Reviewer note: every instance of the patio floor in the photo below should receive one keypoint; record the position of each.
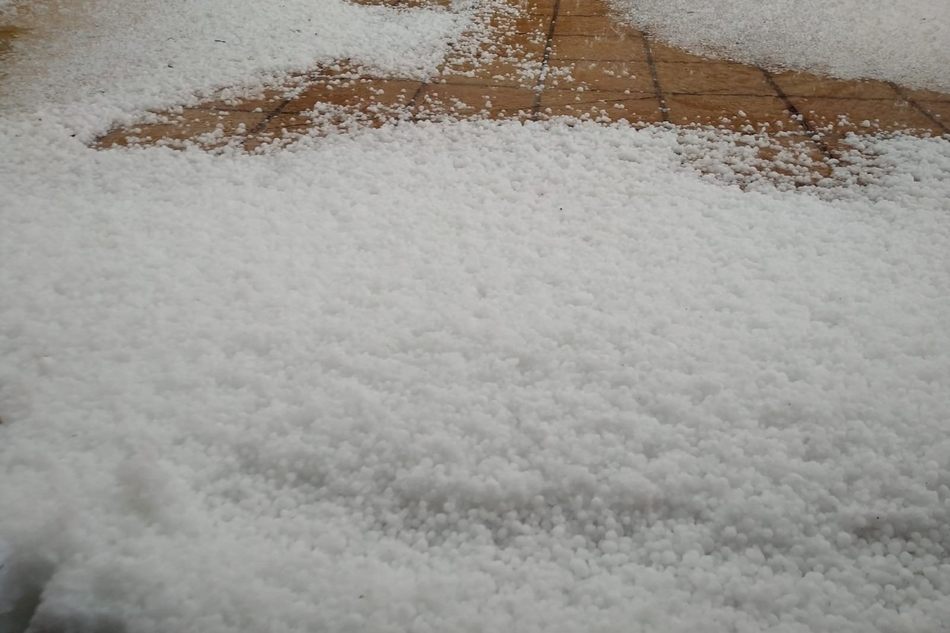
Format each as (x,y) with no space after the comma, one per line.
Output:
(556,58)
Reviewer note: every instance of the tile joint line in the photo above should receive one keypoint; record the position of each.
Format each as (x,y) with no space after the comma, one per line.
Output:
(545,61)
(260,127)
(651,61)
(913,102)
(796,115)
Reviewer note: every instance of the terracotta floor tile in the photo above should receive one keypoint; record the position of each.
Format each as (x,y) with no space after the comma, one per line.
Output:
(808,85)
(664,53)
(610,76)
(731,111)
(499,73)
(584,7)
(361,93)
(796,156)
(925,95)
(518,46)
(598,25)
(534,7)
(269,101)
(190,124)
(629,48)
(8,33)
(287,121)
(477,101)
(522,24)
(889,115)
(614,106)
(279,129)
(793,159)
(939,110)
(712,78)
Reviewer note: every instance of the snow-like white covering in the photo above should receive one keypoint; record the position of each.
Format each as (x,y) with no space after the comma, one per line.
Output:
(107,58)
(453,377)
(450,377)
(907,41)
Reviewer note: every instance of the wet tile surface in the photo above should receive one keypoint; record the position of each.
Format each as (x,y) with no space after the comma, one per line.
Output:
(710,78)
(863,115)
(731,111)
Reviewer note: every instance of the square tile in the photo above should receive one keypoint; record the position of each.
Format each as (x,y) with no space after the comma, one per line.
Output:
(609,76)
(613,106)
(534,7)
(474,101)
(733,112)
(663,53)
(862,116)
(355,94)
(939,110)
(516,47)
(793,159)
(712,78)
(798,84)
(584,7)
(630,48)
(522,24)
(210,128)
(925,95)
(495,73)
(267,102)
(594,26)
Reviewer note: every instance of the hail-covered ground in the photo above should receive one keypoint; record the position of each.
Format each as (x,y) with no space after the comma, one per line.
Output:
(459,376)
(906,41)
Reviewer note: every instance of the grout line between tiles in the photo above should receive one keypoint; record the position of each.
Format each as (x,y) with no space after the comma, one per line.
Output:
(545,62)
(415,95)
(913,102)
(664,107)
(796,115)
(260,127)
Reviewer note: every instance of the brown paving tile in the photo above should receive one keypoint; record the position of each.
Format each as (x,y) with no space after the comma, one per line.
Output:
(610,76)
(730,111)
(361,93)
(790,160)
(287,121)
(800,144)
(629,48)
(712,78)
(497,73)
(190,124)
(269,101)
(279,131)
(862,116)
(925,95)
(939,110)
(473,101)
(523,24)
(614,106)
(664,53)
(518,46)
(808,85)
(597,26)
(584,7)
(534,7)
(8,33)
